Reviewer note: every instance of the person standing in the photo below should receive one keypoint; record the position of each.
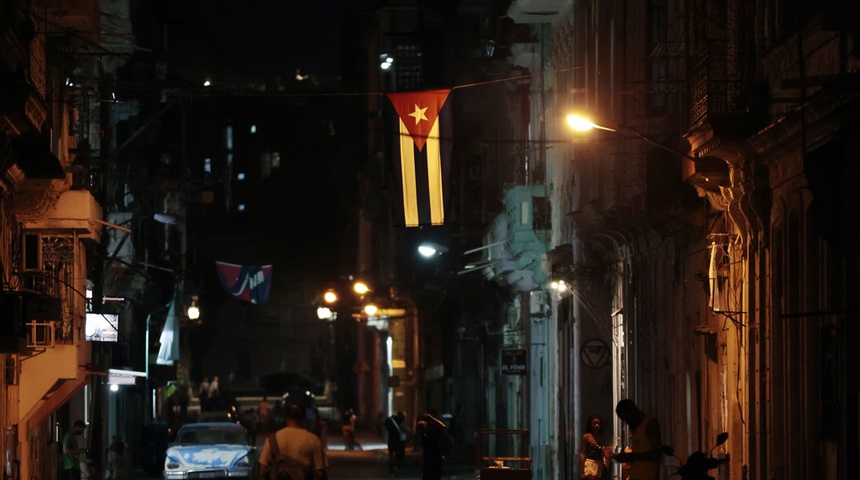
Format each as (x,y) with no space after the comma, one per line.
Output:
(203,394)
(436,445)
(117,460)
(396,442)
(214,388)
(300,453)
(348,429)
(263,414)
(591,454)
(646,451)
(71,451)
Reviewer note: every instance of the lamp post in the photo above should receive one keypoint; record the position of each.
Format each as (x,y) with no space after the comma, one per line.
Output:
(582,124)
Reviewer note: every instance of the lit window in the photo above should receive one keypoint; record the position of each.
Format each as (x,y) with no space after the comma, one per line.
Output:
(276,160)
(241,207)
(240,176)
(229,139)
(253,129)
(207,165)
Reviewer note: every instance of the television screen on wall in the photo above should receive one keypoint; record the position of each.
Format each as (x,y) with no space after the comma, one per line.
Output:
(102,327)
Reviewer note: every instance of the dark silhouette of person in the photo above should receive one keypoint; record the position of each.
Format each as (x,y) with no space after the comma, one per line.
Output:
(646,451)
(436,445)
(396,442)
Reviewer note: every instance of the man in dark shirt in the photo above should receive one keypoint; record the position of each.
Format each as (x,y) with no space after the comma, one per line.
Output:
(396,442)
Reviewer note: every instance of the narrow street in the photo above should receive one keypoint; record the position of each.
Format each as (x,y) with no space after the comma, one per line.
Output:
(369,461)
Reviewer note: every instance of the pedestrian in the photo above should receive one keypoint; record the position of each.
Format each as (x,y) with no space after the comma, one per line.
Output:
(213,388)
(396,442)
(117,460)
(251,421)
(203,391)
(72,452)
(646,455)
(348,429)
(263,414)
(592,461)
(436,445)
(292,452)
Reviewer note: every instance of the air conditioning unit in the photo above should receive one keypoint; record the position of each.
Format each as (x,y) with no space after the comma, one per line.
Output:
(537,302)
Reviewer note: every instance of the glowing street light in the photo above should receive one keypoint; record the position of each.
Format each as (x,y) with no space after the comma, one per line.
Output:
(580,123)
(193,310)
(360,288)
(330,296)
(325,313)
(429,250)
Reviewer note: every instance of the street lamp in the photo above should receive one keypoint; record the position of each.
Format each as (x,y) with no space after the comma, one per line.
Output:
(429,249)
(193,310)
(580,123)
(583,124)
(360,288)
(330,296)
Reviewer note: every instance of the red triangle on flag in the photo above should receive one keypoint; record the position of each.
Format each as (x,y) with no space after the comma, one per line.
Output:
(419,111)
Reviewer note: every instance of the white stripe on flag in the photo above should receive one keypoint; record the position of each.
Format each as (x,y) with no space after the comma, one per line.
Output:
(407,178)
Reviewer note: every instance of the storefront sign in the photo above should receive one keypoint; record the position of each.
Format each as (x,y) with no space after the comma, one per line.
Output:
(514,362)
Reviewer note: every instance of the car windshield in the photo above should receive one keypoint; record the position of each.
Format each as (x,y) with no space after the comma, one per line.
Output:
(211,436)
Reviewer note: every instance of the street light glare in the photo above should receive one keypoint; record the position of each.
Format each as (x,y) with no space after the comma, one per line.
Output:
(429,249)
(579,123)
(329,296)
(193,309)
(583,124)
(360,288)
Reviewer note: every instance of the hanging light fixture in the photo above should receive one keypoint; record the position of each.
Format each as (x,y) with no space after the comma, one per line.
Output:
(193,309)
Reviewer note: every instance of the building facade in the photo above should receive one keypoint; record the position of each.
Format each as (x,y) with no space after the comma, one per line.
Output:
(703,238)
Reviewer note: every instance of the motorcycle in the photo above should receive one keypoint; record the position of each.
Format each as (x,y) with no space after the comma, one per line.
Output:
(698,464)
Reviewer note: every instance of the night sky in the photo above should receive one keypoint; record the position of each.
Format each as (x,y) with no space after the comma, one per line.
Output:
(260,38)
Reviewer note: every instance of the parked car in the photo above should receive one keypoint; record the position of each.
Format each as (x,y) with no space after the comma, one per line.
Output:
(211,450)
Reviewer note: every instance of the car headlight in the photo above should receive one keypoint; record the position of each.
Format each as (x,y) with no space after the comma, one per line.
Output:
(243,462)
(172,462)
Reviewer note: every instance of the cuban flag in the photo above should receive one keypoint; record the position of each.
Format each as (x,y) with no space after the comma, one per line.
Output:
(250,283)
(424,154)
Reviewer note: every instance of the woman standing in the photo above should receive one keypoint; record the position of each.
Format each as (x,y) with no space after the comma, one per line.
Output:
(591,458)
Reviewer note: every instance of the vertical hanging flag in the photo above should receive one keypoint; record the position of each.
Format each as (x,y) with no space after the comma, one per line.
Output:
(424,151)
(250,283)
(169,350)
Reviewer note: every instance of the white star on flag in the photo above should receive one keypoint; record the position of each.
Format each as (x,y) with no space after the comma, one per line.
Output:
(418,114)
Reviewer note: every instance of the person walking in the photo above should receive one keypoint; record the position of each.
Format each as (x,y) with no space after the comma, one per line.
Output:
(592,461)
(396,442)
(436,445)
(71,451)
(292,452)
(646,454)
(263,414)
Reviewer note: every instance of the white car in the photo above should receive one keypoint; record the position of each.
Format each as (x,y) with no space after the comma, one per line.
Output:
(210,450)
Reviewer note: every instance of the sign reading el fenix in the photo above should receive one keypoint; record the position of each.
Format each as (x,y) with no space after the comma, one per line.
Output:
(514,361)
